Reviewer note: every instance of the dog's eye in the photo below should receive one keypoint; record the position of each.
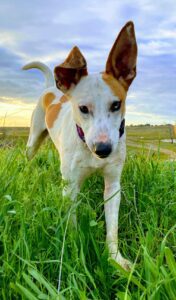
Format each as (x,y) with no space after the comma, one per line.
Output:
(115,106)
(84,109)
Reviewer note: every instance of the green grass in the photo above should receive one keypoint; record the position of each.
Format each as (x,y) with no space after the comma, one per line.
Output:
(142,151)
(34,219)
(149,132)
(165,145)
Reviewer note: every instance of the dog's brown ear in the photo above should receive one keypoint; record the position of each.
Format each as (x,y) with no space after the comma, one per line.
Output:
(122,58)
(71,70)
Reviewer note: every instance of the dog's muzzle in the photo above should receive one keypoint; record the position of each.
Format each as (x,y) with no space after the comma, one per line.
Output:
(102,149)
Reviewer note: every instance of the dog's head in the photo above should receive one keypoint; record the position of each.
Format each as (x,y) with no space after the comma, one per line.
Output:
(98,100)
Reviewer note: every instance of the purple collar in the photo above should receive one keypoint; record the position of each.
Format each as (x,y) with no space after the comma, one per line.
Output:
(81,132)
(122,128)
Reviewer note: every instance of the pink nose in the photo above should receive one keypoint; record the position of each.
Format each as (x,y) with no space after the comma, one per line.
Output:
(103,138)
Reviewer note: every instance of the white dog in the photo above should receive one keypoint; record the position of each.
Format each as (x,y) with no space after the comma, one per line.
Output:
(84,116)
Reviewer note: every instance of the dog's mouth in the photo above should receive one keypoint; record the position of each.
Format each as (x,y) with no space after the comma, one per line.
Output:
(101,156)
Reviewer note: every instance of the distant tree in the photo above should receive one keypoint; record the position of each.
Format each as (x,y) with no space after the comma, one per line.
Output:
(172,132)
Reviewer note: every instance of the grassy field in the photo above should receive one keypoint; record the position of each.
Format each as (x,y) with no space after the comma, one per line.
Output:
(140,135)
(152,135)
(149,132)
(35,230)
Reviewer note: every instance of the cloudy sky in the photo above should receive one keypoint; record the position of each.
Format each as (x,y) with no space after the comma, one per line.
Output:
(47,30)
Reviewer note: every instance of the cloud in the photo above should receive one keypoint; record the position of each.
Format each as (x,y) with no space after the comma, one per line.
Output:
(46,31)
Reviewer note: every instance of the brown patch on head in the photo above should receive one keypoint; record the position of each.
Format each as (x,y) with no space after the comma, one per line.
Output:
(116,88)
(53,111)
(71,70)
(48,99)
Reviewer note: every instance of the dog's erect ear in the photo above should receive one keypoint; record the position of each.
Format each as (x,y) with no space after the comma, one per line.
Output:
(122,58)
(71,70)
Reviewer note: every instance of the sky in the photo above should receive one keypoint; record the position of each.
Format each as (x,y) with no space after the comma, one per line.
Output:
(47,30)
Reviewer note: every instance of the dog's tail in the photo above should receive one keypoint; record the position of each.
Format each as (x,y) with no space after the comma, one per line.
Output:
(49,78)
(38,130)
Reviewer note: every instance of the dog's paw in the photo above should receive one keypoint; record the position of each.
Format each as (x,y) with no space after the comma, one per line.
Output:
(30,152)
(123,262)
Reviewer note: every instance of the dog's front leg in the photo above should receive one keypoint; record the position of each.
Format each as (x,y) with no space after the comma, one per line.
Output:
(71,189)
(112,202)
